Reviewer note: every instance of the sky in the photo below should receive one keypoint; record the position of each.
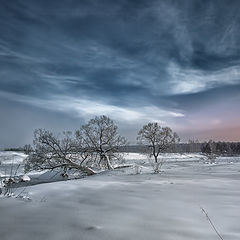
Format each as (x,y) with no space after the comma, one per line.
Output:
(170,61)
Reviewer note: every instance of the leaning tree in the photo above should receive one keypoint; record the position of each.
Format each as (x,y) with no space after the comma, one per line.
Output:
(52,151)
(158,138)
(101,137)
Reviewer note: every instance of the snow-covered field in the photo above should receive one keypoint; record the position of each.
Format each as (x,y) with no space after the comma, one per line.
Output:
(122,205)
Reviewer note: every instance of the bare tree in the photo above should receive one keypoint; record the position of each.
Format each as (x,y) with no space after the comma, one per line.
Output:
(58,151)
(101,137)
(158,138)
(95,144)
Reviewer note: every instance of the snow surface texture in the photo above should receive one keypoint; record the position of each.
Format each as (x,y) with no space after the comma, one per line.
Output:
(120,205)
(11,163)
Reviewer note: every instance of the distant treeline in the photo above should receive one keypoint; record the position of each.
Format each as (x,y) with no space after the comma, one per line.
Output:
(192,147)
(19,149)
(221,147)
(176,148)
(206,147)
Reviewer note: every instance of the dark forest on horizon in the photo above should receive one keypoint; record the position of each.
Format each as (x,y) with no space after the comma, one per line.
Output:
(218,147)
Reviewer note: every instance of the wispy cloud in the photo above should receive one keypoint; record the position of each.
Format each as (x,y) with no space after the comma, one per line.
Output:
(85,109)
(188,81)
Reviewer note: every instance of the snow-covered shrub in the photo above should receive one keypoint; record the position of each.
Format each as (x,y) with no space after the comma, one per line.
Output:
(138,169)
(156,165)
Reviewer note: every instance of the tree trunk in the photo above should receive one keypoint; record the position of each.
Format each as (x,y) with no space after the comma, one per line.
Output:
(156,159)
(87,170)
(109,165)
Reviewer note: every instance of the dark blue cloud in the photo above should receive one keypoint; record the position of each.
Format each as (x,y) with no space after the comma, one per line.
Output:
(172,56)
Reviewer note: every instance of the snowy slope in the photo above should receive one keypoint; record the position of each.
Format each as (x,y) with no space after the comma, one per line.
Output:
(128,206)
